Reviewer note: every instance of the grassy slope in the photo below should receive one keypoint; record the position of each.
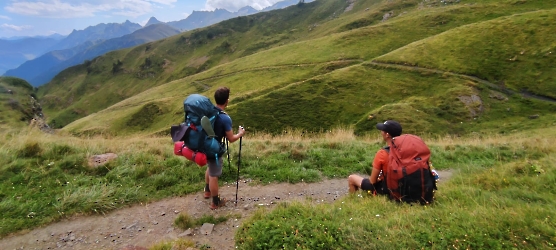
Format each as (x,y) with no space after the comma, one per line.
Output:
(174,58)
(189,53)
(318,89)
(15,107)
(501,192)
(501,196)
(515,53)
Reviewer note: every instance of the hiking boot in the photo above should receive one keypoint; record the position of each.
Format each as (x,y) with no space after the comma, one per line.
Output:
(220,204)
(207,194)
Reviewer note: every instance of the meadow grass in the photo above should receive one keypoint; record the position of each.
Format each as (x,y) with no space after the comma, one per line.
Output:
(184,221)
(501,193)
(507,51)
(501,196)
(179,244)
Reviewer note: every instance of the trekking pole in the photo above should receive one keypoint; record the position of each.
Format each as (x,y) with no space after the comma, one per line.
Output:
(238,164)
(228,150)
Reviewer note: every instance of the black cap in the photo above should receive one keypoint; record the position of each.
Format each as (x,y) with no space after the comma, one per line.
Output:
(391,127)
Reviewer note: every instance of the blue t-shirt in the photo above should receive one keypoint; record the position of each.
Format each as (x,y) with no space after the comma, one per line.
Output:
(221,125)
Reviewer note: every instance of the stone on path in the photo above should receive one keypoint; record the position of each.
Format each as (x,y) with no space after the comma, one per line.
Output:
(206,229)
(187,232)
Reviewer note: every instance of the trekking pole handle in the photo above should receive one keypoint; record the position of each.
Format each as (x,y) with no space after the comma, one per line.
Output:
(241,128)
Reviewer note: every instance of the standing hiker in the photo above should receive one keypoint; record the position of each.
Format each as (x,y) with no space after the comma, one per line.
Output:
(375,182)
(222,129)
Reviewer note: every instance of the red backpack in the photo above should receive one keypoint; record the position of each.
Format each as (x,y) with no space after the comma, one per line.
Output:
(409,177)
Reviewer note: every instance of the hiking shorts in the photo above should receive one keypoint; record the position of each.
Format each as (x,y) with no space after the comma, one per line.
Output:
(378,187)
(366,185)
(215,170)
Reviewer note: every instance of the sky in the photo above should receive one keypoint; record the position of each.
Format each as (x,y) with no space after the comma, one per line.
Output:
(46,17)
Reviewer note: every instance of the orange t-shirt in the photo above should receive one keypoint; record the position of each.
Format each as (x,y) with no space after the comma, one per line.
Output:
(381,160)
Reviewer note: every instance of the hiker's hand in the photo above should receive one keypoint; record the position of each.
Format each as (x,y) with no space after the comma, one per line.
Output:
(241,131)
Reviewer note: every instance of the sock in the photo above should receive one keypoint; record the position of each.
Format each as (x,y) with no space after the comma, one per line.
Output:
(216,200)
(207,188)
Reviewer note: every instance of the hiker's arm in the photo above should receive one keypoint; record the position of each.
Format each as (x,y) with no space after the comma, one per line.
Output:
(231,137)
(379,163)
(374,176)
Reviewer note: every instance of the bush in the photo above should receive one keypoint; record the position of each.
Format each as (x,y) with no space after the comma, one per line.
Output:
(30,149)
(184,221)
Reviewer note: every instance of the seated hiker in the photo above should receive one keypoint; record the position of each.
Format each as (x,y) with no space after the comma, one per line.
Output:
(375,183)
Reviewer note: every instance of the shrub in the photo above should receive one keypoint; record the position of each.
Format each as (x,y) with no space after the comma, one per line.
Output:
(30,149)
(184,221)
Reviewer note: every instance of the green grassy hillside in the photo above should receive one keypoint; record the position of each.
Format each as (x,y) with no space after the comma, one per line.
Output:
(122,74)
(321,31)
(329,81)
(512,52)
(17,103)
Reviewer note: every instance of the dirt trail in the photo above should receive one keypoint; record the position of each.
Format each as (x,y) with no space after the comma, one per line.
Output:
(148,224)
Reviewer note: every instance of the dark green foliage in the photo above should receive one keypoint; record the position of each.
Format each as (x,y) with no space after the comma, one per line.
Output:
(30,149)
(16,82)
(93,68)
(74,164)
(184,221)
(264,44)
(363,22)
(151,67)
(59,150)
(224,48)
(65,117)
(287,226)
(163,181)
(117,67)
(145,116)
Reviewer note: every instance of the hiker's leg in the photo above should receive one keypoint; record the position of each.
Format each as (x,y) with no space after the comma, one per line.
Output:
(354,182)
(214,171)
(207,176)
(213,185)
(206,190)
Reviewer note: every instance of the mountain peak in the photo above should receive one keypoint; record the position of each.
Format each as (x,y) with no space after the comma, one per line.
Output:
(247,10)
(151,21)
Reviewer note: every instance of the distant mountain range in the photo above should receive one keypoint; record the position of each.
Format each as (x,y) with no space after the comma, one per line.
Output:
(199,19)
(75,43)
(15,52)
(39,59)
(141,36)
(98,32)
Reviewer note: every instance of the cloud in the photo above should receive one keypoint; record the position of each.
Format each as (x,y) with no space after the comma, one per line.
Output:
(238,4)
(5,17)
(84,8)
(15,27)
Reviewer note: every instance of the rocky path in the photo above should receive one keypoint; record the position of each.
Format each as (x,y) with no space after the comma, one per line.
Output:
(145,225)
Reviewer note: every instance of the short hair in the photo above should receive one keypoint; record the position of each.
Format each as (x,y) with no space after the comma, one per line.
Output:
(221,95)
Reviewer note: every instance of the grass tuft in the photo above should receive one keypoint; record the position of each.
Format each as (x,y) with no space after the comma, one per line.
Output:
(185,221)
